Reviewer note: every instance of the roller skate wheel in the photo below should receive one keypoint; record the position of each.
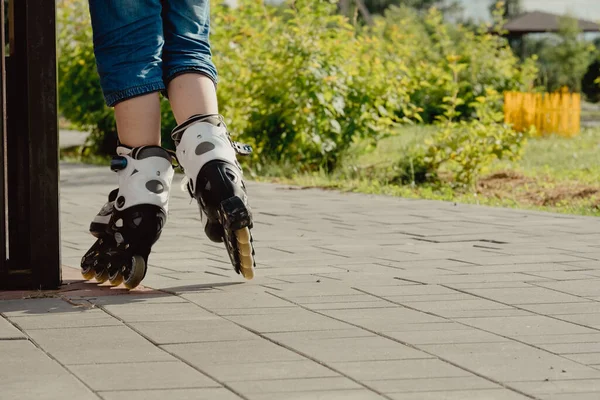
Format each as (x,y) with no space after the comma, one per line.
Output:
(88,273)
(87,270)
(137,272)
(115,279)
(245,253)
(243,236)
(101,276)
(247,273)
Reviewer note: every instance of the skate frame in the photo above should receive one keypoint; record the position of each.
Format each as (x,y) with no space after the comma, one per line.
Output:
(29,225)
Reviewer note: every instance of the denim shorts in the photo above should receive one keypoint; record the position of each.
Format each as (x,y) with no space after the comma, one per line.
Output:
(140,45)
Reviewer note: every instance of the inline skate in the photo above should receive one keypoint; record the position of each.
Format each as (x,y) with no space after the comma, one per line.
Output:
(132,219)
(207,155)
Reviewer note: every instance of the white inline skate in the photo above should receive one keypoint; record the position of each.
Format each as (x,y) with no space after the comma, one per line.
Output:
(132,220)
(207,155)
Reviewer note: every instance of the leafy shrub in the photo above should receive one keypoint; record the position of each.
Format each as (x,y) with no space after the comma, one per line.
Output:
(591,80)
(429,46)
(301,84)
(80,94)
(565,57)
(81,100)
(463,148)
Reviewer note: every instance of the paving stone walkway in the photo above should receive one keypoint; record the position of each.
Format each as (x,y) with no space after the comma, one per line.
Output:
(356,297)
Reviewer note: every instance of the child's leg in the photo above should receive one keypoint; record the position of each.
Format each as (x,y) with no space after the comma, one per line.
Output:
(128,41)
(204,147)
(192,94)
(138,120)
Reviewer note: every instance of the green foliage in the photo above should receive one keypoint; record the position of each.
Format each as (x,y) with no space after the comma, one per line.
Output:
(301,84)
(590,85)
(463,148)
(81,100)
(379,6)
(566,58)
(429,47)
(508,8)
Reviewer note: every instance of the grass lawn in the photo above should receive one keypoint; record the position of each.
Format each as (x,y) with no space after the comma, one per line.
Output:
(555,174)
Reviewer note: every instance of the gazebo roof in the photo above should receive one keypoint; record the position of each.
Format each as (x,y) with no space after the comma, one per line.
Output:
(542,22)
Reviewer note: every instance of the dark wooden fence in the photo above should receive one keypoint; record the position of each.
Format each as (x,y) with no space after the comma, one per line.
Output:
(29,225)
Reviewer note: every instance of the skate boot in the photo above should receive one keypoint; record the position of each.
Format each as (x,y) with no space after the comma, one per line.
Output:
(208,157)
(132,220)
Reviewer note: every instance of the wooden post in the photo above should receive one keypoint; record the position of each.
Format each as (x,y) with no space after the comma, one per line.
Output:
(32,149)
(3,226)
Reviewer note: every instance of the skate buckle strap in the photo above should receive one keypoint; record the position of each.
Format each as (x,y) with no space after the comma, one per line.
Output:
(241,148)
(174,159)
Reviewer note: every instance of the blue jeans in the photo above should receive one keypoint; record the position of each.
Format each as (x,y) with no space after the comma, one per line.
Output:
(140,45)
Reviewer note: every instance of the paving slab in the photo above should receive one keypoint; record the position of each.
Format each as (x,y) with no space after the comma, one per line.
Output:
(511,361)
(239,352)
(172,332)
(570,396)
(159,312)
(172,394)
(100,344)
(289,321)
(466,335)
(400,369)
(525,325)
(439,385)
(549,339)
(80,319)
(355,297)
(351,349)
(355,394)
(574,387)
(28,373)
(272,370)
(294,385)
(8,330)
(487,394)
(142,376)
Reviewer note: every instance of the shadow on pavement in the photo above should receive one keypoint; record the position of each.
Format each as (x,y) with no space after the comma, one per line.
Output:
(76,295)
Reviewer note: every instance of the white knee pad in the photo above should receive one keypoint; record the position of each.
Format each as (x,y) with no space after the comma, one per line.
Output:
(145,175)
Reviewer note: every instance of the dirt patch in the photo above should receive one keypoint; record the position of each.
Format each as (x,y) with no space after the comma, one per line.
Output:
(538,192)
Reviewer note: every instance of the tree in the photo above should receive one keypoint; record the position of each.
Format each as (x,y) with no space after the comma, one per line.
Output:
(379,6)
(567,60)
(590,86)
(510,8)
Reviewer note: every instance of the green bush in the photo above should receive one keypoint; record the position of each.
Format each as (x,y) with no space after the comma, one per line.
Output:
(80,95)
(589,85)
(565,58)
(462,148)
(301,84)
(429,46)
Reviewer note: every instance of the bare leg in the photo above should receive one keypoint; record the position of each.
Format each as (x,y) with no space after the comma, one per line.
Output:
(192,94)
(138,120)
(209,161)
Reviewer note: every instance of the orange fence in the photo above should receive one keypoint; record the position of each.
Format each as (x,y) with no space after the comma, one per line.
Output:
(558,113)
